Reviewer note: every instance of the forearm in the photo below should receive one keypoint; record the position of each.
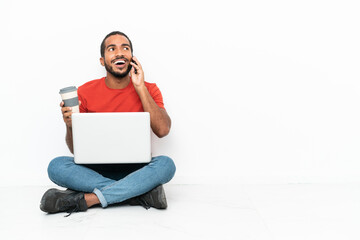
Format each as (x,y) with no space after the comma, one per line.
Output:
(69,139)
(159,119)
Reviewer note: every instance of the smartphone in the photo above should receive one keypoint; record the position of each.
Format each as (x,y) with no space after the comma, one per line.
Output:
(135,63)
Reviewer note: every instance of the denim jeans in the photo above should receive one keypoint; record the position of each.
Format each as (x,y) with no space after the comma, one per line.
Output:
(112,183)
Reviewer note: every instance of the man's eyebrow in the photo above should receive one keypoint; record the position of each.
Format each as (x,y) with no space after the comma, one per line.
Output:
(111,45)
(114,45)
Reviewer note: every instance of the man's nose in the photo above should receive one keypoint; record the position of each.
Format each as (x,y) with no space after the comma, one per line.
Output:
(119,51)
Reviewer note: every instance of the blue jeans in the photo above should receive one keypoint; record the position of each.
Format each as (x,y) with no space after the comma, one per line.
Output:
(112,183)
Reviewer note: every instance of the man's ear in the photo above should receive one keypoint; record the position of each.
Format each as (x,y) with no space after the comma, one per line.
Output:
(102,61)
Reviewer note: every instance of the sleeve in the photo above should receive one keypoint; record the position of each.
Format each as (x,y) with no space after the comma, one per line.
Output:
(156,95)
(83,105)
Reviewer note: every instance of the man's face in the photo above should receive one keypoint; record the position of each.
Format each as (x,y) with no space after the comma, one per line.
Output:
(117,56)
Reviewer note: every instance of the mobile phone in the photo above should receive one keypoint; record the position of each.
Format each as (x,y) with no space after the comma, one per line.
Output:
(135,63)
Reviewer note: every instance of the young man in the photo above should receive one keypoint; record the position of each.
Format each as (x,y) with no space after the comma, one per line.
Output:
(122,90)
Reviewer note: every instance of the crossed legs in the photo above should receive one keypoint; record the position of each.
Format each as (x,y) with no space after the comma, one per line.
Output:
(109,184)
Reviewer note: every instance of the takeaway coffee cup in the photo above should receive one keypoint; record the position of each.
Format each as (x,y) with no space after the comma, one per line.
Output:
(70,98)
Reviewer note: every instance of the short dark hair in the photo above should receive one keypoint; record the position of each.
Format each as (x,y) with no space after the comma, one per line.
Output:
(102,47)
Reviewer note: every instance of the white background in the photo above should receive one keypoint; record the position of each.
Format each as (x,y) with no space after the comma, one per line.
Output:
(258,91)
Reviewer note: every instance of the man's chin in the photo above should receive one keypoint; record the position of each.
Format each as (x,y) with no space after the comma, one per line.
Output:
(119,74)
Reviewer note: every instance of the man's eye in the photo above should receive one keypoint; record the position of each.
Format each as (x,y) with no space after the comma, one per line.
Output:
(111,49)
(126,48)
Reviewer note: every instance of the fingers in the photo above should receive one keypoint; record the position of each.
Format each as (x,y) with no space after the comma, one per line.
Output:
(66,112)
(132,71)
(134,67)
(136,61)
(137,64)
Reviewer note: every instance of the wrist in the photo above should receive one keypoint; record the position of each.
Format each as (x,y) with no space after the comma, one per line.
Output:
(140,88)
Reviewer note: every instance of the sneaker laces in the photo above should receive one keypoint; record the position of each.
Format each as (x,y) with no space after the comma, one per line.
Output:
(70,208)
(74,209)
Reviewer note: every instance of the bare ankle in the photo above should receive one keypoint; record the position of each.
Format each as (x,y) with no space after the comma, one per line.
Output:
(91,199)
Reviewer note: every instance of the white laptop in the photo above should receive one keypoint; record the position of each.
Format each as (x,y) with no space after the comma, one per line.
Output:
(100,138)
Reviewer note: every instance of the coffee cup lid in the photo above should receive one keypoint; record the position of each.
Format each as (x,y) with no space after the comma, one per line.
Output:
(67,89)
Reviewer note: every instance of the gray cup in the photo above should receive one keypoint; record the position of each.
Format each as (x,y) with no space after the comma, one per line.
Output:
(70,98)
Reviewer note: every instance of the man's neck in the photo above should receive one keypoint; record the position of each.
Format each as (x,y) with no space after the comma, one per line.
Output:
(116,83)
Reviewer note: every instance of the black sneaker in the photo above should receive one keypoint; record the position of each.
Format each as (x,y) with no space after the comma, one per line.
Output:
(69,201)
(155,198)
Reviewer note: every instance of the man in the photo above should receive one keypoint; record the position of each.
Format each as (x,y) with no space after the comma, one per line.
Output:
(122,90)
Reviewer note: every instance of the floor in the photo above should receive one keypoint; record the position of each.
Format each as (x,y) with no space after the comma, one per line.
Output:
(279,212)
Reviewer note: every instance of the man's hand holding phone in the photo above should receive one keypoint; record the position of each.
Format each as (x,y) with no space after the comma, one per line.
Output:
(136,73)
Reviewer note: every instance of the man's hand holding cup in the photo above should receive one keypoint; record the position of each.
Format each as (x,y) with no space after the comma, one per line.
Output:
(69,104)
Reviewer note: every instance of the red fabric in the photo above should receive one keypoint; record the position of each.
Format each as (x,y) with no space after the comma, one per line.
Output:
(95,96)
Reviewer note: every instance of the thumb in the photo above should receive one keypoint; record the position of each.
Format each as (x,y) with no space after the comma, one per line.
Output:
(132,72)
